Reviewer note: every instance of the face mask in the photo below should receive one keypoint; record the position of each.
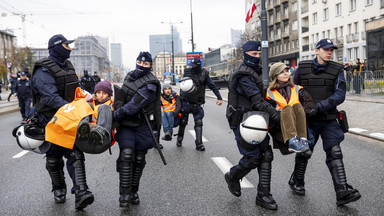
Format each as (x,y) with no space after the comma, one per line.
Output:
(142,69)
(60,53)
(251,61)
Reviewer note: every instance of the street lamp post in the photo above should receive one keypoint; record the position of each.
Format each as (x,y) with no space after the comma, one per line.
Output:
(173,51)
(165,69)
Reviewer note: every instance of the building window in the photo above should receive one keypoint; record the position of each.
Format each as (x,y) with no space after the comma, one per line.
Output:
(294,25)
(369,2)
(328,33)
(278,15)
(349,29)
(314,1)
(286,27)
(314,17)
(341,31)
(323,34)
(271,17)
(317,37)
(356,27)
(286,10)
(382,3)
(356,52)
(338,9)
(326,14)
(352,5)
(294,6)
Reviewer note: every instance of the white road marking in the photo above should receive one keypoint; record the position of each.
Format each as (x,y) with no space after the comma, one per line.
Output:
(192,132)
(357,130)
(225,165)
(21,154)
(377,135)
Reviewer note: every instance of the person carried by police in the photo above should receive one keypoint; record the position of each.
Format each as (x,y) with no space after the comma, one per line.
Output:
(325,82)
(138,114)
(54,82)
(288,99)
(249,116)
(192,95)
(87,82)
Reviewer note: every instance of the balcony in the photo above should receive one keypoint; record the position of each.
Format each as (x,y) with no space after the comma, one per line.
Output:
(340,42)
(349,38)
(284,16)
(306,48)
(285,34)
(363,35)
(313,46)
(355,37)
(277,36)
(304,8)
(304,29)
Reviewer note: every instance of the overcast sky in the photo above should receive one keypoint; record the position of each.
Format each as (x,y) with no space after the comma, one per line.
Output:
(125,21)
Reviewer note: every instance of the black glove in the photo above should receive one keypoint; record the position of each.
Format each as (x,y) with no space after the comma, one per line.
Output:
(118,114)
(312,110)
(274,115)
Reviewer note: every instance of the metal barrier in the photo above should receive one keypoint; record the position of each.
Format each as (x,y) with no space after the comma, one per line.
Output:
(366,82)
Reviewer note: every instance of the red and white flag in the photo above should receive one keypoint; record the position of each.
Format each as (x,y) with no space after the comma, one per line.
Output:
(250,9)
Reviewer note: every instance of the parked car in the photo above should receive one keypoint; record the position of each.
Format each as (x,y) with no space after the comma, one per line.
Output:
(220,81)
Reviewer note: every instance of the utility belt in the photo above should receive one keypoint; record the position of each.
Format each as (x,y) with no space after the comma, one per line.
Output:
(235,115)
(340,116)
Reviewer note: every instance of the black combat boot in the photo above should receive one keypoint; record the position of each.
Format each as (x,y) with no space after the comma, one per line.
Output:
(55,170)
(199,138)
(180,135)
(125,165)
(83,129)
(83,197)
(296,182)
(99,135)
(263,197)
(345,193)
(138,167)
(233,179)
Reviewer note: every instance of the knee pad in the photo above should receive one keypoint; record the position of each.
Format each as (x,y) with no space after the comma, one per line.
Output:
(184,119)
(252,162)
(334,153)
(140,157)
(199,122)
(268,155)
(126,155)
(77,155)
(54,163)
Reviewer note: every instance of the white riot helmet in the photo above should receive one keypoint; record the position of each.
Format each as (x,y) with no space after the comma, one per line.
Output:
(253,129)
(187,85)
(31,138)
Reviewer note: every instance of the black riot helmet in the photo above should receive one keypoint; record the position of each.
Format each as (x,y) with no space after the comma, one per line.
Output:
(85,72)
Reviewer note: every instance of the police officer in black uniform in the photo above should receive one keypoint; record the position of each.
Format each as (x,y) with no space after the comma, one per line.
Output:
(138,98)
(54,82)
(23,93)
(96,78)
(26,71)
(87,82)
(246,93)
(12,81)
(191,102)
(324,80)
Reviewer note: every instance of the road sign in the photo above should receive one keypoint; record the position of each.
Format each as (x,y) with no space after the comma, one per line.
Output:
(192,55)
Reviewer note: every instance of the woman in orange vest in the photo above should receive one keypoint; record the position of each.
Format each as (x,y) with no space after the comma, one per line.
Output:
(98,129)
(170,102)
(289,100)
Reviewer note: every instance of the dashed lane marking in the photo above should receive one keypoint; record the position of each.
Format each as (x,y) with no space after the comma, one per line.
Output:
(225,165)
(377,135)
(357,130)
(21,154)
(192,132)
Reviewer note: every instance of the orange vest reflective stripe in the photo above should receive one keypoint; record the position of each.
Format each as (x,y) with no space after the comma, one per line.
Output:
(96,107)
(280,100)
(168,106)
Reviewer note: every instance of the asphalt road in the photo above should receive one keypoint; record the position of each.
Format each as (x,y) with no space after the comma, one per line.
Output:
(192,183)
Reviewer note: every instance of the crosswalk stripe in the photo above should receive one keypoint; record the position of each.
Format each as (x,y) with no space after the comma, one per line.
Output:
(224,165)
(21,154)
(192,132)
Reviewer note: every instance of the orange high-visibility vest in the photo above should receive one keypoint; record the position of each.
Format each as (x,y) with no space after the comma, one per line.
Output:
(168,106)
(96,114)
(62,128)
(96,108)
(280,100)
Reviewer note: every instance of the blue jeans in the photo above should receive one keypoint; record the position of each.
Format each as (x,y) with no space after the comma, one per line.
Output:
(168,119)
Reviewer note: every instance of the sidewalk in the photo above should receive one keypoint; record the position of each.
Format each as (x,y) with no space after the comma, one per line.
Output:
(365,113)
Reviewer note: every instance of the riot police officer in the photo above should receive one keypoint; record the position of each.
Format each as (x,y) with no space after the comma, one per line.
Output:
(23,93)
(87,82)
(246,93)
(191,102)
(96,78)
(138,100)
(54,82)
(325,82)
